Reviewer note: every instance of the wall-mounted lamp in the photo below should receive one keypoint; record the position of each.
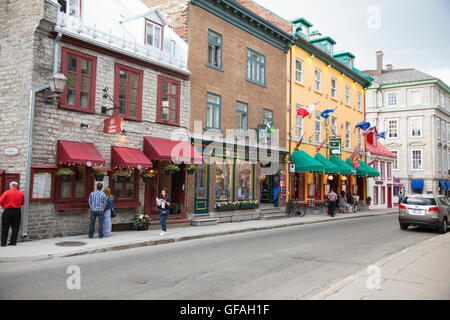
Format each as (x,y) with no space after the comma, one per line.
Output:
(57,83)
(123,133)
(85,125)
(107,96)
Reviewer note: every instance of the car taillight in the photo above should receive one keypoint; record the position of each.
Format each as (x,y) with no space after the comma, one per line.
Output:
(433,209)
(402,207)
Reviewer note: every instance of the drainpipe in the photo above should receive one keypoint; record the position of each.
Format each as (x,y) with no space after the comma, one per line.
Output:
(290,120)
(33,93)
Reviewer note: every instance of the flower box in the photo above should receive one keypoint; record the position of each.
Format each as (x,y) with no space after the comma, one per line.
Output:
(66,178)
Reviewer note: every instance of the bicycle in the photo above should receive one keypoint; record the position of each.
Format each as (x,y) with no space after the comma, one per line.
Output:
(293,209)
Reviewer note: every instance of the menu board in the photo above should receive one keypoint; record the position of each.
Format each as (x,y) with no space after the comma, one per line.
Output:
(42,185)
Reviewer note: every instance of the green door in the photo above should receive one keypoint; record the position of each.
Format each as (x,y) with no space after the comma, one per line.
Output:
(201,200)
(267,190)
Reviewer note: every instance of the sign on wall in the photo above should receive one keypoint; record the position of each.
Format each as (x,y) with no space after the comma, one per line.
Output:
(11,151)
(113,125)
(335,146)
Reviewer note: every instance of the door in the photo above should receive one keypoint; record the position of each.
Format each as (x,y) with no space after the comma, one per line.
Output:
(267,190)
(389,196)
(201,192)
(10,177)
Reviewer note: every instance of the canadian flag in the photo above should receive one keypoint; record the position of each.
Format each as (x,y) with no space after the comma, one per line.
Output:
(306,111)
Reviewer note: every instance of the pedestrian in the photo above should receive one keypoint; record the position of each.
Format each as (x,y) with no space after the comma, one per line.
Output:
(350,200)
(97,202)
(164,209)
(332,200)
(342,201)
(356,202)
(276,188)
(12,202)
(401,197)
(107,224)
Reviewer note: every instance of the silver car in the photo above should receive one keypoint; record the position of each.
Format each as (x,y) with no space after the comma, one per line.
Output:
(429,211)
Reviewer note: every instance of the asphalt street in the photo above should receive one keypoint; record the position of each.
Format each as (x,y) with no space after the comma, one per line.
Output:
(285,263)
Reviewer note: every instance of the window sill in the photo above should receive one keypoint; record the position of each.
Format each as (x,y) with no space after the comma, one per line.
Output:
(73,108)
(347,105)
(168,123)
(214,67)
(125,117)
(213,130)
(318,92)
(334,99)
(257,83)
(299,83)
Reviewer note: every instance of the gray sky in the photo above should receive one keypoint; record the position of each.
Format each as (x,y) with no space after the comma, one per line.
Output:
(411,33)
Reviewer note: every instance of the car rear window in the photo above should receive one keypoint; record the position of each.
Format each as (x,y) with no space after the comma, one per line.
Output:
(419,201)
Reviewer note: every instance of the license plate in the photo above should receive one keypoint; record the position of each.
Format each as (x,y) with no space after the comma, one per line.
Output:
(417,212)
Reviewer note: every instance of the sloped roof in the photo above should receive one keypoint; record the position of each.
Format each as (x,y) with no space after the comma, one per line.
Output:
(399,76)
(380,150)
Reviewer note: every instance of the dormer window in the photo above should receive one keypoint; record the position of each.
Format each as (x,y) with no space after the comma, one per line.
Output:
(153,34)
(71,7)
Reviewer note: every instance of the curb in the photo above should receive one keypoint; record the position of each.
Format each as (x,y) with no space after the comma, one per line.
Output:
(144,243)
(341,284)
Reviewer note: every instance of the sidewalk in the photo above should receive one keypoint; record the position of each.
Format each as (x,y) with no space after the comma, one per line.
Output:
(417,273)
(47,248)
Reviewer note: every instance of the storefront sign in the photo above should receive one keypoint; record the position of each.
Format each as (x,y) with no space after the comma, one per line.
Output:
(283,180)
(335,147)
(379,182)
(292,167)
(113,125)
(11,151)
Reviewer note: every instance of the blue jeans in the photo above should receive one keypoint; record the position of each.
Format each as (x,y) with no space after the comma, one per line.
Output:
(162,218)
(94,215)
(107,223)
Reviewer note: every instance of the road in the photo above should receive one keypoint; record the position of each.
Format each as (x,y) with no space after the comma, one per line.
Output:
(286,263)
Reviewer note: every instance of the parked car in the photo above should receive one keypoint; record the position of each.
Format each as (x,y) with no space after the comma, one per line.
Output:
(428,211)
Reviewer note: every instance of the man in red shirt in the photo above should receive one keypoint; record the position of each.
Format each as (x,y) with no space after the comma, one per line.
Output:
(11,201)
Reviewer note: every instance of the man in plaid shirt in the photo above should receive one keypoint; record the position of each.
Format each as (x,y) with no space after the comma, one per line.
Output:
(97,202)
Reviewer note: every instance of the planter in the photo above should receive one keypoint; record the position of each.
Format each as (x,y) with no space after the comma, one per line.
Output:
(171,171)
(146,179)
(225,208)
(122,179)
(99,178)
(66,177)
(141,228)
(190,171)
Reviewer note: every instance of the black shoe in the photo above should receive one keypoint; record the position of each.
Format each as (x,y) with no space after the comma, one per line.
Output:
(3,245)
(12,244)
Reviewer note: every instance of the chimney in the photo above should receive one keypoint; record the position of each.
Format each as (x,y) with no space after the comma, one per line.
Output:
(314,34)
(389,67)
(379,63)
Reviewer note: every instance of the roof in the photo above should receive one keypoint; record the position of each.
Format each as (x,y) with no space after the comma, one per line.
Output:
(325,38)
(302,21)
(399,76)
(380,150)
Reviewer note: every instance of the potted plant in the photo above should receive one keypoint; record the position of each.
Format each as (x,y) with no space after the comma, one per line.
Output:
(141,222)
(148,175)
(172,168)
(66,174)
(175,208)
(369,201)
(100,173)
(122,175)
(190,168)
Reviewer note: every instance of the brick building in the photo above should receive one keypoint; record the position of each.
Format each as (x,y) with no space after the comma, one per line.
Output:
(237,56)
(126,53)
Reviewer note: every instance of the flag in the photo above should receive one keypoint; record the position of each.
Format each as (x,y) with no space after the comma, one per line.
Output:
(321,145)
(297,147)
(363,125)
(374,160)
(355,162)
(306,111)
(325,114)
(368,131)
(381,135)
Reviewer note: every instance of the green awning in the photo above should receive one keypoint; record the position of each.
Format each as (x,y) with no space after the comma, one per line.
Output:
(371,171)
(329,166)
(361,170)
(344,168)
(305,163)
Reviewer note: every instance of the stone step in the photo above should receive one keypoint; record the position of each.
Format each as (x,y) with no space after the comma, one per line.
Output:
(270,210)
(272,216)
(204,222)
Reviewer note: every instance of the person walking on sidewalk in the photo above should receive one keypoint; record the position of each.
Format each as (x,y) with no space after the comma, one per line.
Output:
(97,202)
(107,224)
(342,201)
(12,202)
(332,200)
(164,209)
(350,203)
(356,198)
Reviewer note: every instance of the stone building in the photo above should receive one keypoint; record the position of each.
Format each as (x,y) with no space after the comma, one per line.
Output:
(127,72)
(237,56)
(414,109)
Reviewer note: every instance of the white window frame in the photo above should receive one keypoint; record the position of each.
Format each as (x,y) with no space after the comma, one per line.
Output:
(448,131)
(298,119)
(318,118)
(333,88)
(347,95)
(443,130)
(444,161)
(318,82)
(348,135)
(298,72)
(421,160)
(389,129)
(360,139)
(78,5)
(411,132)
(395,161)
(438,128)
(334,125)
(411,101)
(359,101)
(150,25)
(389,172)
(448,160)
(395,93)
(439,159)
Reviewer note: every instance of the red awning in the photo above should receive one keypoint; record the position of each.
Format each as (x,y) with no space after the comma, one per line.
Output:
(397,184)
(80,153)
(380,150)
(169,150)
(129,157)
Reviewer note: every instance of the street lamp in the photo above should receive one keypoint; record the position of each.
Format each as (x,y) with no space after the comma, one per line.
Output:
(57,82)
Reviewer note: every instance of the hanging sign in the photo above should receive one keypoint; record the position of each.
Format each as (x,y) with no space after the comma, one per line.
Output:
(292,167)
(11,151)
(335,146)
(113,125)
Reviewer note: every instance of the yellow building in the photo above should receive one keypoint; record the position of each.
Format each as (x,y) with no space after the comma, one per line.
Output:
(319,75)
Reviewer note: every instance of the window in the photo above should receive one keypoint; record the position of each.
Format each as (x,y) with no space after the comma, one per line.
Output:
(375,166)
(415,97)
(438,127)
(318,80)
(74,189)
(299,71)
(298,123)
(80,70)
(347,135)
(416,127)
(395,162)
(245,176)
(375,195)
(416,156)
(71,7)
(256,67)
(128,92)
(224,183)
(333,88)
(267,117)
(42,184)
(153,34)
(242,117)
(393,128)
(445,161)
(389,170)
(213,109)
(318,128)
(382,170)
(444,130)
(448,131)
(392,99)
(359,100)
(439,160)
(347,95)
(214,49)
(359,139)
(334,126)
(168,101)
(126,190)
(299,187)
(383,195)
